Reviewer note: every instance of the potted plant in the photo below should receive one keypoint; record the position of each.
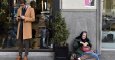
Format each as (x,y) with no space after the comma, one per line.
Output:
(60,36)
(60,30)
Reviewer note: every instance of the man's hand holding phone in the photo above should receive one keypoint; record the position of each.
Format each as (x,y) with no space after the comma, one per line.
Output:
(21,17)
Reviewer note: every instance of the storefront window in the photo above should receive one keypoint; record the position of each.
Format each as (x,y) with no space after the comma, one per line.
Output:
(40,28)
(108,24)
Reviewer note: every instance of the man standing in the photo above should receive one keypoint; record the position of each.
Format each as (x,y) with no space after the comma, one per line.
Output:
(25,17)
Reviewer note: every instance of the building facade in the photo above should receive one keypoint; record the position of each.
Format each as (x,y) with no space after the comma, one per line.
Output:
(80,16)
(94,16)
(97,19)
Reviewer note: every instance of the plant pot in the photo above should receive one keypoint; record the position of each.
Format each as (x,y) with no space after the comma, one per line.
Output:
(61,53)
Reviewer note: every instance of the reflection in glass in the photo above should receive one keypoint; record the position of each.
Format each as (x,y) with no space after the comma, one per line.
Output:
(108,24)
(8,24)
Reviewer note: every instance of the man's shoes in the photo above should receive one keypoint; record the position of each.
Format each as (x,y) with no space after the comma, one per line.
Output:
(25,58)
(18,58)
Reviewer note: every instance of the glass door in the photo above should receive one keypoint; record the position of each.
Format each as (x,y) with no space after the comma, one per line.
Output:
(108,24)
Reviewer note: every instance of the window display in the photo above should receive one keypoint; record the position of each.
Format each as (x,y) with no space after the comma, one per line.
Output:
(108,24)
(40,28)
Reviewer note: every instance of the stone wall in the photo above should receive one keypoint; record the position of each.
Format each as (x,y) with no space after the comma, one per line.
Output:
(81,20)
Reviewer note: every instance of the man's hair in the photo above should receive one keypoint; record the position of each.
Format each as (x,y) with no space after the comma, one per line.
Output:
(22,1)
(32,4)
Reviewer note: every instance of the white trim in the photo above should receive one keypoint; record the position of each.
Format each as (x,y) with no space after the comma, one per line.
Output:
(107,49)
(74,10)
(60,4)
(101,7)
(98,26)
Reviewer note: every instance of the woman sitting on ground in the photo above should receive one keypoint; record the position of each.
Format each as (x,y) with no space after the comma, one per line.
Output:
(82,47)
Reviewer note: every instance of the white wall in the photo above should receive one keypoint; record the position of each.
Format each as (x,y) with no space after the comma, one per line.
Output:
(76,4)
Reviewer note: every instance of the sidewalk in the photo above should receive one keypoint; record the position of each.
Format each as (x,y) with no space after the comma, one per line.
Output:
(32,56)
(107,55)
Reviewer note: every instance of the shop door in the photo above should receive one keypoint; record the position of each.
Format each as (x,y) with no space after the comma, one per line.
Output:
(108,24)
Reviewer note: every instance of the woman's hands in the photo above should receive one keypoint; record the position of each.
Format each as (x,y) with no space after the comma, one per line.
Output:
(84,43)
